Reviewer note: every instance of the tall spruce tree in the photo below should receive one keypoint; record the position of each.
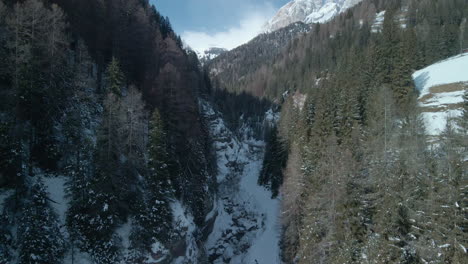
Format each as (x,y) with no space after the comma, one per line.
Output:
(154,216)
(274,162)
(39,235)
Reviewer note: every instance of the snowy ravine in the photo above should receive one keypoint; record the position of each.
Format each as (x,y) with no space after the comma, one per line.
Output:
(246,227)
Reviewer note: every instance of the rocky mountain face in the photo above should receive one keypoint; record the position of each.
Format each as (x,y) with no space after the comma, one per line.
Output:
(210,54)
(308,11)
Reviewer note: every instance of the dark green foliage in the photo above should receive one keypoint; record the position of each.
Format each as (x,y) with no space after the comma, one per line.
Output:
(236,68)
(163,22)
(3,47)
(154,215)
(7,241)
(40,238)
(92,223)
(464,118)
(403,224)
(159,160)
(8,154)
(244,105)
(274,162)
(114,78)
(66,107)
(363,151)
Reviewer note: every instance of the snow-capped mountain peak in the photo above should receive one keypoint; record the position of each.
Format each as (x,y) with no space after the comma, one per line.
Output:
(308,11)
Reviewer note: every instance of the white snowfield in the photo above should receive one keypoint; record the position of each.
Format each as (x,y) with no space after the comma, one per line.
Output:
(324,14)
(441,87)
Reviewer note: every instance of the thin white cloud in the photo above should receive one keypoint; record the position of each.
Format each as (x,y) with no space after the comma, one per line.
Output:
(249,26)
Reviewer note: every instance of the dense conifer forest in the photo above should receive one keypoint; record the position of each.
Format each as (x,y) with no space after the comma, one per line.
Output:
(102,98)
(102,93)
(362,182)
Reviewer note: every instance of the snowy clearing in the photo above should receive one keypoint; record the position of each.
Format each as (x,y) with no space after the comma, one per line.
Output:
(441,87)
(451,70)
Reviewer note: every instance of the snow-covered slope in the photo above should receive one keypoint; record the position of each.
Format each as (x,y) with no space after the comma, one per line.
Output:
(245,228)
(308,11)
(209,54)
(324,14)
(441,87)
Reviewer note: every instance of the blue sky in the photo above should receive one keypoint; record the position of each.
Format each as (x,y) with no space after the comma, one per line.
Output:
(222,23)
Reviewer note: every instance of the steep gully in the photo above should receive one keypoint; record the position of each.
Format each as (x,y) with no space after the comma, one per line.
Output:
(246,219)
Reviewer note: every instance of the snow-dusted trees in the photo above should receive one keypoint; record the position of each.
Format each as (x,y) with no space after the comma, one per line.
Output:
(153,215)
(114,78)
(109,193)
(3,41)
(292,202)
(133,127)
(38,76)
(39,235)
(398,199)
(158,157)
(66,107)
(463,122)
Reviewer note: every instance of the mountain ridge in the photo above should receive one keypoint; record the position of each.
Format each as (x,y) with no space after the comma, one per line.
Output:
(307,11)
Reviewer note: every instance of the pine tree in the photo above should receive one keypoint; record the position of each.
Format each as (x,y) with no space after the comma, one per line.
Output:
(109,148)
(402,82)
(4,69)
(39,235)
(153,215)
(159,159)
(97,190)
(274,162)
(114,77)
(464,118)
(159,178)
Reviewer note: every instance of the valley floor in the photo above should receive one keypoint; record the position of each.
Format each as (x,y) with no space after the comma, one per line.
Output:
(246,229)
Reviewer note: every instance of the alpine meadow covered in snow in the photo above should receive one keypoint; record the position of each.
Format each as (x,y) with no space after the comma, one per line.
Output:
(339,134)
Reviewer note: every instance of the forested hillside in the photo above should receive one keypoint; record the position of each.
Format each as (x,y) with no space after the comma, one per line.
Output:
(232,69)
(98,109)
(361,183)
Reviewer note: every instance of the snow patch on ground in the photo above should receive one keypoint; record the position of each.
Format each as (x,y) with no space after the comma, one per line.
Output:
(159,253)
(440,106)
(124,233)
(183,221)
(4,194)
(378,22)
(271,116)
(56,189)
(441,99)
(435,123)
(299,100)
(78,258)
(451,70)
(265,247)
